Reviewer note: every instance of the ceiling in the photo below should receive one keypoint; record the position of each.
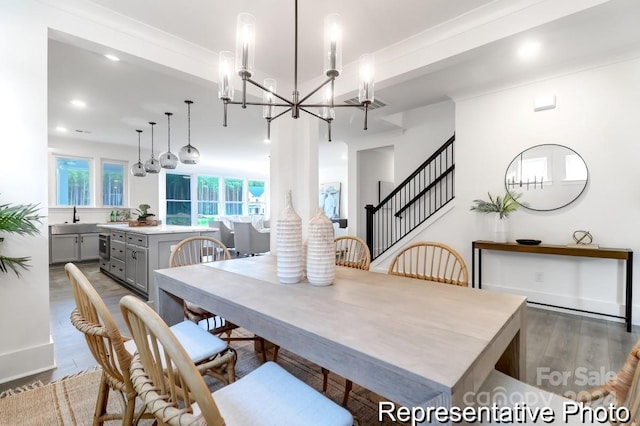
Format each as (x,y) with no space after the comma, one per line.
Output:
(126,95)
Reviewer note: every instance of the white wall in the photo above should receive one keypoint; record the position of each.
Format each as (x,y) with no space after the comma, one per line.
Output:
(597,116)
(25,343)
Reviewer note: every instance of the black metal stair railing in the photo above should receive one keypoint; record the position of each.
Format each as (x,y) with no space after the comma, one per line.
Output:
(415,200)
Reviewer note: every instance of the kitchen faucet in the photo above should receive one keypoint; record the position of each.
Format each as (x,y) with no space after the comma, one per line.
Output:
(75,215)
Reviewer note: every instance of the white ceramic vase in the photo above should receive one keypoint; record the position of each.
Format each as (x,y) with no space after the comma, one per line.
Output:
(321,252)
(500,229)
(289,244)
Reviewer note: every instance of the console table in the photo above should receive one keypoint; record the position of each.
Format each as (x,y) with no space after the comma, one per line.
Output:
(602,253)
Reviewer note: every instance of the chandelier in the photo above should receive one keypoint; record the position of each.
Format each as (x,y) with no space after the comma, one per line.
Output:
(244,67)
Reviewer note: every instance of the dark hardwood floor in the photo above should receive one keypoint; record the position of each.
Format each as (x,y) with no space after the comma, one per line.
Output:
(564,352)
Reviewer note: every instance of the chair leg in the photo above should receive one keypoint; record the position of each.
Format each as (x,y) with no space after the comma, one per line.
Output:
(325,379)
(127,417)
(263,349)
(347,389)
(276,348)
(101,402)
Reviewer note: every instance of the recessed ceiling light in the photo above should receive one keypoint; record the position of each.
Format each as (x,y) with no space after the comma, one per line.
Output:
(78,103)
(343,156)
(529,49)
(111,57)
(61,129)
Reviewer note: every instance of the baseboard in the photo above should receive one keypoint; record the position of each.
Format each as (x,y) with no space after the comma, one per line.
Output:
(564,303)
(27,362)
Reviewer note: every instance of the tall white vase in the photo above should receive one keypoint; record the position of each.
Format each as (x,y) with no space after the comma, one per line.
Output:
(289,244)
(321,252)
(500,229)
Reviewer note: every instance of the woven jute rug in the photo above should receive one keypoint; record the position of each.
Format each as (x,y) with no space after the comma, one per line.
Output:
(71,401)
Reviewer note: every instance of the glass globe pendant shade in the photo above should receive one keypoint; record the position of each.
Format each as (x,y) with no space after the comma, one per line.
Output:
(152,165)
(189,154)
(168,160)
(137,169)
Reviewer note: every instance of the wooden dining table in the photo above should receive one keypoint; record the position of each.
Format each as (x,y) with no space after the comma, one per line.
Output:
(415,342)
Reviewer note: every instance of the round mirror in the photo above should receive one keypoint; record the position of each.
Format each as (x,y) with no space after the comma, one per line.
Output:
(548,176)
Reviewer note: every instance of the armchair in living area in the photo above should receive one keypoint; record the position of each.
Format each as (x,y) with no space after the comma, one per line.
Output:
(226,233)
(249,240)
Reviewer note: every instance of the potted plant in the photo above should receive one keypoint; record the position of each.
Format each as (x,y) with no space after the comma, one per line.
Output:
(503,207)
(21,219)
(143,213)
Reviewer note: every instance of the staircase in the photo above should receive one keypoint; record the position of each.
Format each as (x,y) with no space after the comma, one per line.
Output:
(415,200)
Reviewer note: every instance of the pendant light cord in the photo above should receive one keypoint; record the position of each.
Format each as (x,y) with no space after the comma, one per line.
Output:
(169,131)
(152,124)
(189,123)
(139,156)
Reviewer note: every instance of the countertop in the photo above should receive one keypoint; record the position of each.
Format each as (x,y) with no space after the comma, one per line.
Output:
(161,229)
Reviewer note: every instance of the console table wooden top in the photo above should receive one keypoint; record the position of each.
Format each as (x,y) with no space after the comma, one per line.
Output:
(602,252)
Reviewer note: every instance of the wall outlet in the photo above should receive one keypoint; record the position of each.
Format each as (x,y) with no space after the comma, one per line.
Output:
(539,277)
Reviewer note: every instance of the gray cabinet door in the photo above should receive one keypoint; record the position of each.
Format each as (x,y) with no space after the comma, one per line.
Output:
(89,246)
(136,267)
(64,248)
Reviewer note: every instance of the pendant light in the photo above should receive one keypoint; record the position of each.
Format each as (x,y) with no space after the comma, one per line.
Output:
(168,160)
(152,165)
(189,154)
(138,168)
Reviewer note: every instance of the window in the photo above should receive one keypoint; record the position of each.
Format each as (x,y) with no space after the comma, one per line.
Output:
(233,195)
(73,181)
(178,199)
(208,199)
(113,183)
(256,197)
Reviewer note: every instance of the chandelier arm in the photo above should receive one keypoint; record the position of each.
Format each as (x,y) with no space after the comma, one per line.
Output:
(329,106)
(224,115)
(260,104)
(329,130)
(282,113)
(328,80)
(315,115)
(255,83)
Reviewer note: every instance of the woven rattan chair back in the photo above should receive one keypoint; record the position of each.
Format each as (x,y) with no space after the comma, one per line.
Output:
(431,261)
(168,393)
(622,388)
(92,317)
(198,250)
(352,252)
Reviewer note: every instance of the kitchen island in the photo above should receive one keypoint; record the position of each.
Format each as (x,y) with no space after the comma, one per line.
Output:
(134,252)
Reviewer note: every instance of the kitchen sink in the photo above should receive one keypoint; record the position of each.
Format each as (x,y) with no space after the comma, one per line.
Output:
(73,228)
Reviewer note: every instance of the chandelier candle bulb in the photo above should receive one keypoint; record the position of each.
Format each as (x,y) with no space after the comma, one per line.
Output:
(268,98)
(333,45)
(225,59)
(245,41)
(365,93)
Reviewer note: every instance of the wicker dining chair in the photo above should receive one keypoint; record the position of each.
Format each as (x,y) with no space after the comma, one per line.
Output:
(201,249)
(351,252)
(92,317)
(430,261)
(112,351)
(178,395)
(623,387)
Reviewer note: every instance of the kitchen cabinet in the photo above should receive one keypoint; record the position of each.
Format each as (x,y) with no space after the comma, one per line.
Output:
(73,247)
(135,252)
(136,268)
